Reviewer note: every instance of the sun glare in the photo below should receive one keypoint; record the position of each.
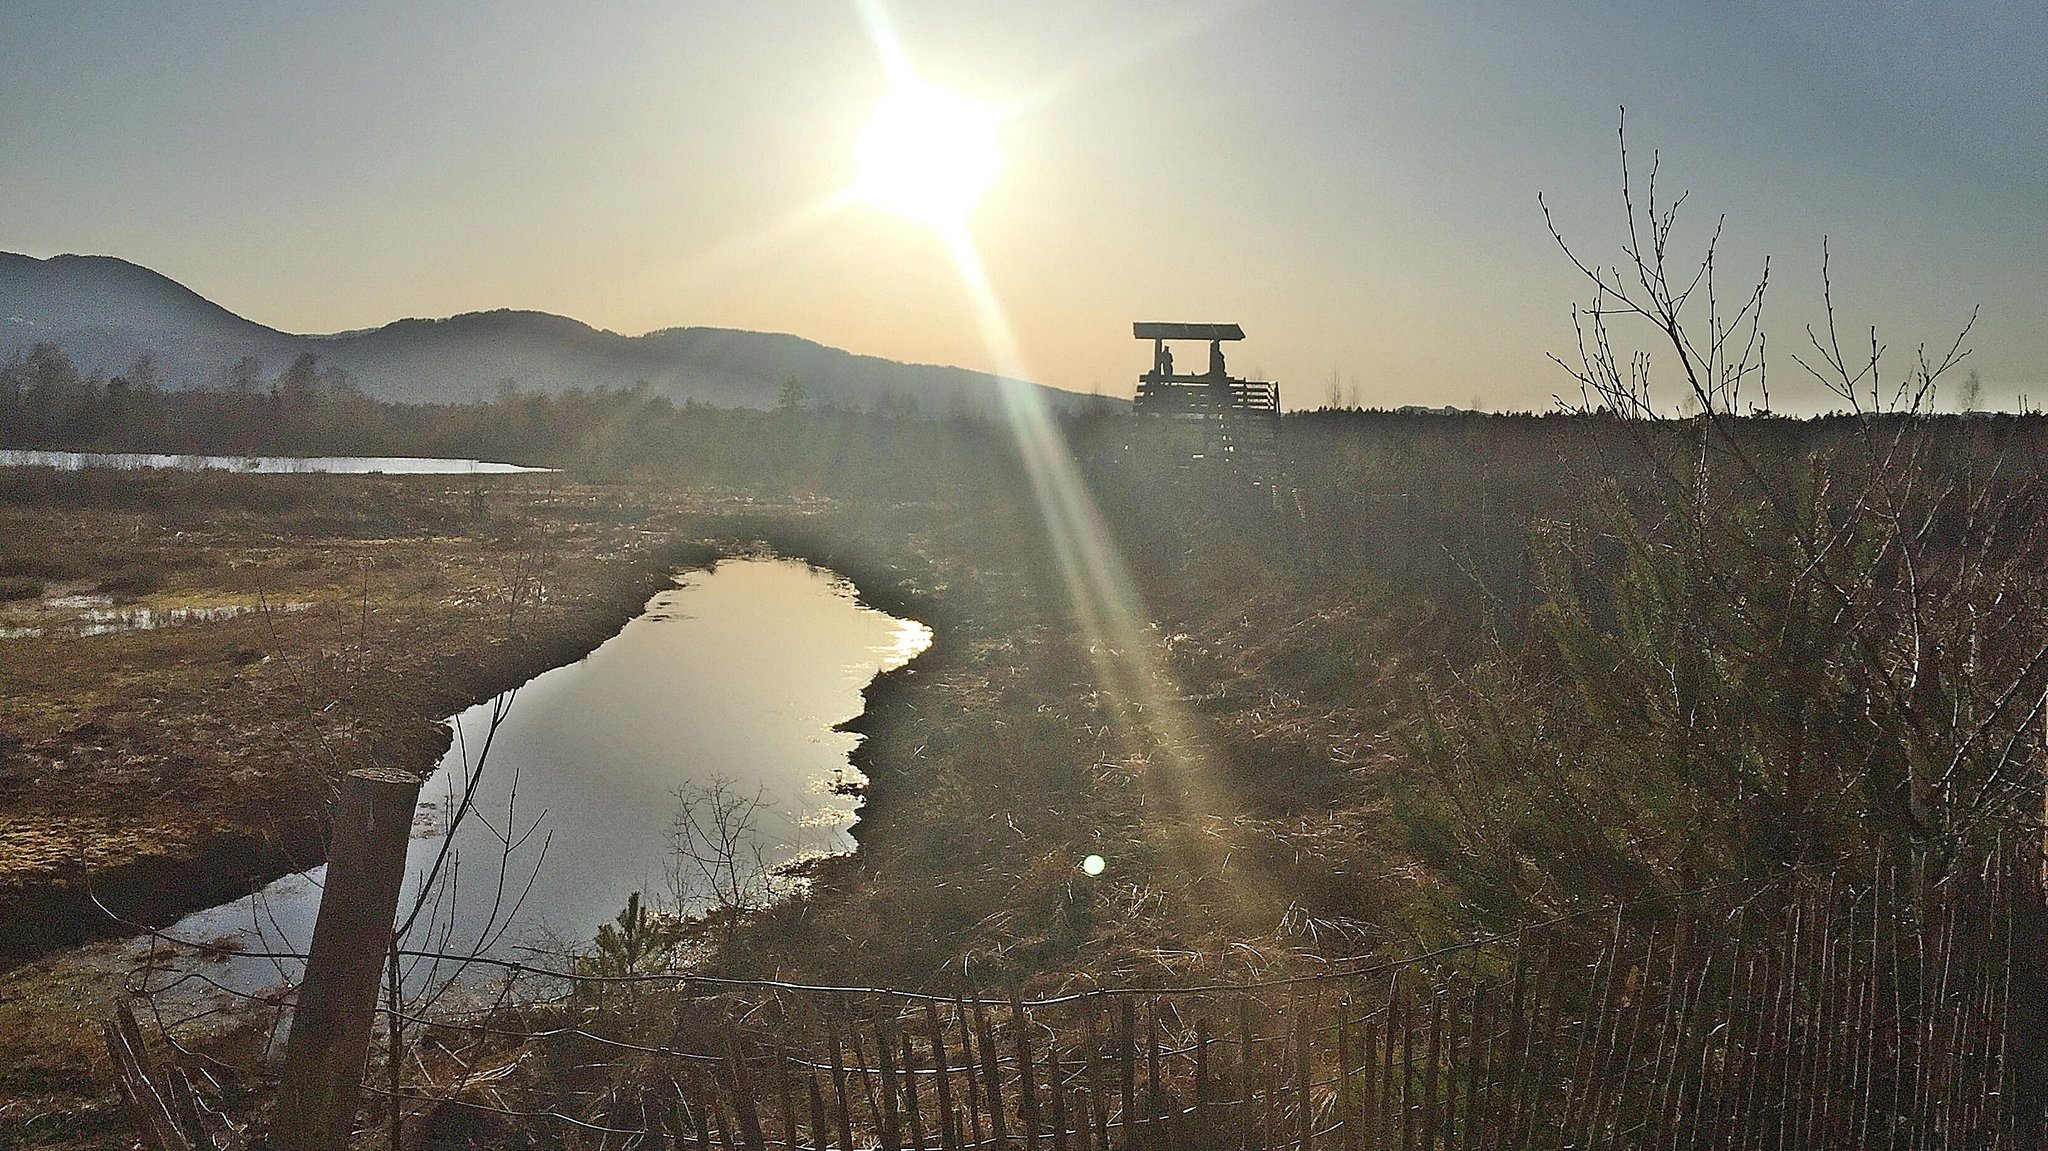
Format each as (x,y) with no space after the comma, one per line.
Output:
(928,154)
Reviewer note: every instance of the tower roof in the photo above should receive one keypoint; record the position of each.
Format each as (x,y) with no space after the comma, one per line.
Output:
(1155,330)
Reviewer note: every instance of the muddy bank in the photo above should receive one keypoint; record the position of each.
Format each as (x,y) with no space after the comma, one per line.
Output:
(157,889)
(196,773)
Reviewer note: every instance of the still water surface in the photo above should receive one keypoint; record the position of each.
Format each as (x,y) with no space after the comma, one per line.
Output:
(742,671)
(266,465)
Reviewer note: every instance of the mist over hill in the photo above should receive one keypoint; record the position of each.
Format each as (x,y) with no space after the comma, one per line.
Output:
(106,313)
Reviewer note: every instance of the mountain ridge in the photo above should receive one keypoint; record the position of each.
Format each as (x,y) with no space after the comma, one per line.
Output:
(106,312)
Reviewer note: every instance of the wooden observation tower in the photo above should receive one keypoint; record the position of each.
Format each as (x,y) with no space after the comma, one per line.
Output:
(1238,420)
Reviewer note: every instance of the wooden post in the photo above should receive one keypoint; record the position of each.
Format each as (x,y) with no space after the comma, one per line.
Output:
(330,1034)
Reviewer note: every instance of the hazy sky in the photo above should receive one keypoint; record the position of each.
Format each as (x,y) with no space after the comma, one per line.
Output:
(1353,182)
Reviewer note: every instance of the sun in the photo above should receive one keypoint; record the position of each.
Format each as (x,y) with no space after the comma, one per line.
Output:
(927,154)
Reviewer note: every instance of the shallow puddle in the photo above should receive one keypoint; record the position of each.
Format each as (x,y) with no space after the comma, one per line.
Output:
(740,674)
(261,465)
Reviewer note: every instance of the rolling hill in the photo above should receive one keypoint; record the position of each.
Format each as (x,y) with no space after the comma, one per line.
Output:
(106,312)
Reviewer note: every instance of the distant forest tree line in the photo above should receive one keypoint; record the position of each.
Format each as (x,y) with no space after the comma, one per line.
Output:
(1456,507)
(889,449)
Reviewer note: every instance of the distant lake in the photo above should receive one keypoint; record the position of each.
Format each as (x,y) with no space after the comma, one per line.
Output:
(742,672)
(264,465)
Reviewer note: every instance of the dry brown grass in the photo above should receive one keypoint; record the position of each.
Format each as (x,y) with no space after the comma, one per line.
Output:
(997,760)
(180,766)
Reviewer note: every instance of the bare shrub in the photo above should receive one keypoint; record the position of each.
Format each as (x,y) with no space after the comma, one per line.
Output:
(718,856)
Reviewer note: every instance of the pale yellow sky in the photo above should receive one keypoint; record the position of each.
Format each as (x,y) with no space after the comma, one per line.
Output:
(1354,183)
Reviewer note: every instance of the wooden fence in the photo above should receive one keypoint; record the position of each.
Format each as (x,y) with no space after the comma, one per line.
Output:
(1896,1003)
(1865,1008)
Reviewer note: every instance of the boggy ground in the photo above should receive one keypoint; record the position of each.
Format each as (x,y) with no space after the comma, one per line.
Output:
(168,768)
(1226,759)
(1231,787)
(1233,802)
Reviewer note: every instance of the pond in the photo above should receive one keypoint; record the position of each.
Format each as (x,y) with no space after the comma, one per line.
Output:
(740,674)
(85,616)
(263,465)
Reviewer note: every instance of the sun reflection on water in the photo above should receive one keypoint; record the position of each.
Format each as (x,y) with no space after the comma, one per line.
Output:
(910,641)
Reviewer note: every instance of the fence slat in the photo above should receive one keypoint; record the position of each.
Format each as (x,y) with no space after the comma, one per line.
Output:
(1347,1114)
(949,1133)
(891,1132)
(1517,1038)
(970,1060)
(718,1122)
(991,1076)
(785,1090)
(1245,1079)
(1371,1106)
(1127,1041)
(1610,1106)
(843,1107)
(1098,1101)
(910,1091)
(146,1108)
(818,1124)
(1304,1026)
(1027,1079)
(1056,1095)
(1475,1080)
(1864,1008)
(1155,1101)
(1407,1084)
(1434,1049)
(744,1100)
